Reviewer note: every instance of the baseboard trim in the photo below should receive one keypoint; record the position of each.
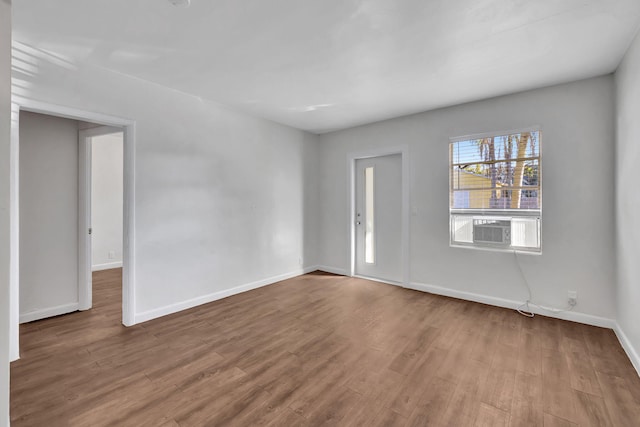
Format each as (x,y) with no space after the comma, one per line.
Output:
(205,299)
(333,270)
(628,347)
(573,316)
(106,266)
(49,312)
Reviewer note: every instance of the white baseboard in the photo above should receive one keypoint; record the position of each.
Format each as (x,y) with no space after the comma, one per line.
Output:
(106,266)
(48,312)
(573,316)
(628,347)
(334,270)
(184,305)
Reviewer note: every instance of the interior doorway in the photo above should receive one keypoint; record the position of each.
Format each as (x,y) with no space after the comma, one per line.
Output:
(21,259)
(380,216)
(100,225)
(58,166)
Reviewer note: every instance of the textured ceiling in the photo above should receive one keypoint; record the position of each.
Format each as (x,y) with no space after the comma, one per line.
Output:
(323,65)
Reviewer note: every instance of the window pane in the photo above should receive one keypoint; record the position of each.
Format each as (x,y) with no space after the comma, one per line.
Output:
(525,232)
(369,249)
(500,172)
(462,228)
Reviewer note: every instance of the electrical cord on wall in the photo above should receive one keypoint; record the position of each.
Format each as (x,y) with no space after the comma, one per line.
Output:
(524,308)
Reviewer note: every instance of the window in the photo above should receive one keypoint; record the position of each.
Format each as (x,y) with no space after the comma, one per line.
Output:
(495,198)
(369,248)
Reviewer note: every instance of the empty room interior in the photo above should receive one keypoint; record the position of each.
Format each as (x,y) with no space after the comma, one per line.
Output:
(301,213)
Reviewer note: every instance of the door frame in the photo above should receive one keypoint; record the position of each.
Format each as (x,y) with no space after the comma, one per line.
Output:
(85,148)
(128,127)
(403,151)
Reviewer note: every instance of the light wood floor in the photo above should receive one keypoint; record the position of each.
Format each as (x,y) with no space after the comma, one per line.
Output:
(320,350)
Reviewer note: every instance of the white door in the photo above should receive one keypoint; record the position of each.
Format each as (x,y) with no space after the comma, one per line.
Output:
(378,246)
(85,283)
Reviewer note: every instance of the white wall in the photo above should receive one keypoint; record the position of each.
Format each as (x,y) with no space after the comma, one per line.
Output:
(222,199)
(5,123)
(48,216)
(577,234)
(106,201)
(628,199)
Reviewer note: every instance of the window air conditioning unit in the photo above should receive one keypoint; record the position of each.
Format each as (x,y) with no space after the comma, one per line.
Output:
(492,231)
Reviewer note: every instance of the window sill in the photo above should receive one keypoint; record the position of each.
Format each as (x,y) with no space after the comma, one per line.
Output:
(519,251)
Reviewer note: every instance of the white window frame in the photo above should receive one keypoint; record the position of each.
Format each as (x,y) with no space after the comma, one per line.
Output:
(496,214)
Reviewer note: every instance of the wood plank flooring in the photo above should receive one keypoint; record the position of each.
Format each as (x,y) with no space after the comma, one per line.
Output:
(316,350)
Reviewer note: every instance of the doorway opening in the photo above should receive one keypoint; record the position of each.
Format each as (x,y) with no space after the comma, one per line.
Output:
(70,179)
(51,248)
(100,225)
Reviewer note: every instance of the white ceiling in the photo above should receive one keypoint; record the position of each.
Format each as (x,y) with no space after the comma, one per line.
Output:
(321,65)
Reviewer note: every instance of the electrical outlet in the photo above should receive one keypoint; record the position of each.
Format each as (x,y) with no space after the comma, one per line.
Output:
(300,261)
(112,255)
(573,298)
